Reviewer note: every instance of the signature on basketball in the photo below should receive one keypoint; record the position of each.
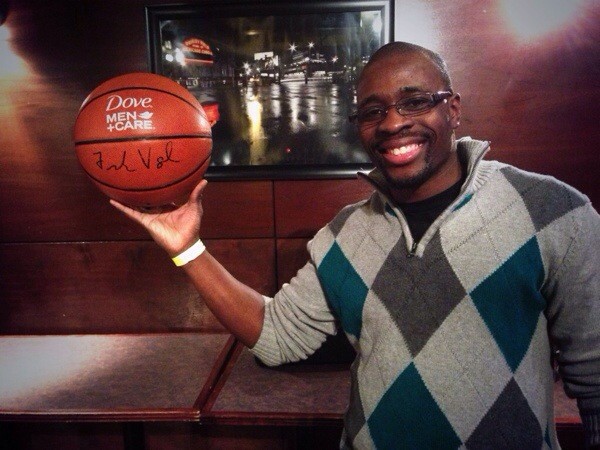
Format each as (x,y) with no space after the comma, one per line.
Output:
(131,162)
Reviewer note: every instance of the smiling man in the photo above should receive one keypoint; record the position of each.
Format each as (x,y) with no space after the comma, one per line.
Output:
(406,117)
(455,281)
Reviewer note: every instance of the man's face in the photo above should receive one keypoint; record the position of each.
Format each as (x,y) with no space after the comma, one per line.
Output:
(413,152)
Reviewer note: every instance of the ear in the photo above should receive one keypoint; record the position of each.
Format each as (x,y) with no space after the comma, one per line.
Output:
(454,110)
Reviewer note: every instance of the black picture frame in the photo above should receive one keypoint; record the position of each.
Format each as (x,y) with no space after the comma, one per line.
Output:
(279,76)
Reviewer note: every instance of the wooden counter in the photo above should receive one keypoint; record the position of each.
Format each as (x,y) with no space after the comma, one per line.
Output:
(295,394)
(109,377)
(180,387)
(177,376)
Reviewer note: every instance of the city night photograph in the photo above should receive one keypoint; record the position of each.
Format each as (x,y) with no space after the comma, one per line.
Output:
(278,84)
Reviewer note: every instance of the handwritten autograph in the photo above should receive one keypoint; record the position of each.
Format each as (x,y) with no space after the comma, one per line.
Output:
(129,163)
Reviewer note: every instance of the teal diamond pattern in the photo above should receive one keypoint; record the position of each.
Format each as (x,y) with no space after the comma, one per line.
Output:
(345,290)
(510,302)
(408,417)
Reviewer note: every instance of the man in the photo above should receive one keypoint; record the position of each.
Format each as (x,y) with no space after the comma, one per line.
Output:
(454,281)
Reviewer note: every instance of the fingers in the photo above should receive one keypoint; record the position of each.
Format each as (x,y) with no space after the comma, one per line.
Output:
(124,209)
(134,214)
(198,190)
(137,215)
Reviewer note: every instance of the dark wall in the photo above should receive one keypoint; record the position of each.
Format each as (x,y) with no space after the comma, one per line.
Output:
(70,263)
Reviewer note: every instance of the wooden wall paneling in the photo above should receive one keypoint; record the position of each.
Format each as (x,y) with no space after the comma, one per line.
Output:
(53,54)
(45,195)
(292,254)
(238,209)
(115,287)
(303,207)
(529,86)
(34,211)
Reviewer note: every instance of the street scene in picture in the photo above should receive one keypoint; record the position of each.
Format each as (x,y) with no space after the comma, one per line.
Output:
(279,89)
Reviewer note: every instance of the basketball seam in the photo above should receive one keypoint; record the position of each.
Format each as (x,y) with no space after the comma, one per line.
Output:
(141,138)
(138,87)
(174,182)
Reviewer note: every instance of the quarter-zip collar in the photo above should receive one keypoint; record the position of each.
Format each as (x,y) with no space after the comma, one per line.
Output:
(471,152)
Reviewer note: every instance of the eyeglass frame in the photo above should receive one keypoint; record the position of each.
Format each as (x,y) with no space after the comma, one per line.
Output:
(436,99)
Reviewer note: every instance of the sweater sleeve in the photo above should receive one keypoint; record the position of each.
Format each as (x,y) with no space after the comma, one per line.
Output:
(574,317)
(297,320)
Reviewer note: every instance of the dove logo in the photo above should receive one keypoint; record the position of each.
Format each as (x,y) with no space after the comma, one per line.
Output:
(116,101)
(128,120)
(122,121)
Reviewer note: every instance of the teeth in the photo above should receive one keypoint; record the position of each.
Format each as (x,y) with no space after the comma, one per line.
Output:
(404,149)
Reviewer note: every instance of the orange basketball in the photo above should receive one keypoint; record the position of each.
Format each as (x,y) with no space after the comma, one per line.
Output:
(143,139)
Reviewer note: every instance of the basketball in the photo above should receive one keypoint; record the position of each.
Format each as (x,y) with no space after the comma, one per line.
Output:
(143,140)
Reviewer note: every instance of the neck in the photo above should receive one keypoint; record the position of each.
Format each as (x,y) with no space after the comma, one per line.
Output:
(449,174)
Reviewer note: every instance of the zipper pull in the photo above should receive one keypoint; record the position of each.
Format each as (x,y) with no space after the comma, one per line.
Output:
(413,250)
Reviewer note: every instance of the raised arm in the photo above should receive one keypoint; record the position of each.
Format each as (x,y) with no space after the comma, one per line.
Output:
(238,307)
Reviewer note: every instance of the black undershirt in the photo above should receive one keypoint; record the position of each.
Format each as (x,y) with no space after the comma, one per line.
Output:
(420,215)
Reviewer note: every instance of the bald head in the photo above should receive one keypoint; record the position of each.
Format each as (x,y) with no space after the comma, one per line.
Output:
(401,49)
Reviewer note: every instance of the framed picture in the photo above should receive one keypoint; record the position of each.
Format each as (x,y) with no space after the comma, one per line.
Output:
(277,79)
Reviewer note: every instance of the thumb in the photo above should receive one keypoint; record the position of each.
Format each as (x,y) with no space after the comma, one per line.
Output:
(196,194)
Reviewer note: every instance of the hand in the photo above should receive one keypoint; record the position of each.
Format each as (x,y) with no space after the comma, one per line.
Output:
(176,229)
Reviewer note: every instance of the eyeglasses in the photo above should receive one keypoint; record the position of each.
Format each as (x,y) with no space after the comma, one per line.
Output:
(407,106)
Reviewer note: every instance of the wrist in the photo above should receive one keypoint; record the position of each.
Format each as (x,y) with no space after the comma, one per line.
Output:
(191,253)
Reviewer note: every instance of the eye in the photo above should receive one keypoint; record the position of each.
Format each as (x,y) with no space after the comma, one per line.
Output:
(371,114)
(416,103)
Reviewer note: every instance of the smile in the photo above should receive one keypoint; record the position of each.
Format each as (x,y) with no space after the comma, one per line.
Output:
(402,153)
(404,149)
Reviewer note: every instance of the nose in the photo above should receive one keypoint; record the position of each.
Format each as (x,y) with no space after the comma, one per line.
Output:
(394,122)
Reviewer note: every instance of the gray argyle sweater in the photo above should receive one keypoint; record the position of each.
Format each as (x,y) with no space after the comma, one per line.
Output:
(454,335)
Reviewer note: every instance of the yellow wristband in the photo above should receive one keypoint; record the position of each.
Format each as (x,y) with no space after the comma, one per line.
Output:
(190,254)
